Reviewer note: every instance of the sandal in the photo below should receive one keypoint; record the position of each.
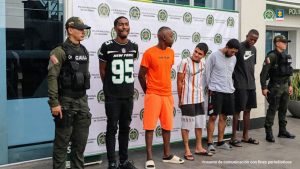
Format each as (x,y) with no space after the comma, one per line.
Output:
(205,153)
(251,141)
(173,159)
(189,157)
(235,143)
(150,164)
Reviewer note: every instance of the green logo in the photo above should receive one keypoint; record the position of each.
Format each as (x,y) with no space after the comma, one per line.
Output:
(185,53)
(103,10)
(158,131)
(101,139)
(173,74)
(210,20)
(136,94)
(208,53)
(187,18)
(133,135)
(218,39)
(229,121)
(162,15)
(113,33)
(134,13)
(269,15)
(174,36)
(145,35)
(87,33)
(230,22)
(196,37)
(142,114)
(174,111)
(101,97)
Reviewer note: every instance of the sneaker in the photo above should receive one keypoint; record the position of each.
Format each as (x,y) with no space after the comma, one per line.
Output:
(224,146)
(113,166)
(127,165)
(211,149)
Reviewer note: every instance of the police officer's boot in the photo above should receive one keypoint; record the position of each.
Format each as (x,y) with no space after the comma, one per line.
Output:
(286,134)
(283,133)
(269,137)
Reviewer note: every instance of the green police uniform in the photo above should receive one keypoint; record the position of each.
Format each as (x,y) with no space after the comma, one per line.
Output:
(277,68)
(68,79)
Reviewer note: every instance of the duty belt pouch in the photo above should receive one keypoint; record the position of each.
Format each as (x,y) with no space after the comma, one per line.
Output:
(66,121)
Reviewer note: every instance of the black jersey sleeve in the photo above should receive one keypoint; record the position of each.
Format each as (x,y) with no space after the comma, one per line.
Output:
(103,53)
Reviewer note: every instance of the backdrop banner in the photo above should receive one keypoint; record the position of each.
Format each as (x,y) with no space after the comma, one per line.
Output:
(190,26)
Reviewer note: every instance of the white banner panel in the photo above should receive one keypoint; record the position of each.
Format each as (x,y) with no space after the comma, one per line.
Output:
(190,25)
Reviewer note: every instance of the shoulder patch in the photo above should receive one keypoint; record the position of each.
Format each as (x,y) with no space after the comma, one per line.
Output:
(53,59)
(267,61)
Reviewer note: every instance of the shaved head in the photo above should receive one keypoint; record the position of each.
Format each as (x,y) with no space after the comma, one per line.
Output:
(162,32)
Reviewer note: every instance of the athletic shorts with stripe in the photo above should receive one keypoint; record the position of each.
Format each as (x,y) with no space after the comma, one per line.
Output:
(193,116)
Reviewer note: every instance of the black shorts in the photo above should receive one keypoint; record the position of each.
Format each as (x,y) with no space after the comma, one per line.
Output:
(192,109)
(222,103)
(245,99)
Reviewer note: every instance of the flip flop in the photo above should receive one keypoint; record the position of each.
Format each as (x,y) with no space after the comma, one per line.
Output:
(189,157)
(251,141)
(150,164)
(173,159)
(235,143)
(204,153)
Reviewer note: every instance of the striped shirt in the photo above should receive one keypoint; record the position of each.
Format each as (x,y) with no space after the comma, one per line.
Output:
(192,90)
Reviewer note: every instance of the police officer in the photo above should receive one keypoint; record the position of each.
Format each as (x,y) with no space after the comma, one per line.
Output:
(277,68)
(68,80)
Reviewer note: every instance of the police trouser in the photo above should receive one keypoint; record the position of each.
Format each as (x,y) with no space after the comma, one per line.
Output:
(278,98)
(74,128)
(118,111)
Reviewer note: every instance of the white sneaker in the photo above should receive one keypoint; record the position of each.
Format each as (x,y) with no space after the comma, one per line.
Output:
(224,146)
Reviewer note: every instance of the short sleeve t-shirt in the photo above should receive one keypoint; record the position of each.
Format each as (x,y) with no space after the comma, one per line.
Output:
(159,64)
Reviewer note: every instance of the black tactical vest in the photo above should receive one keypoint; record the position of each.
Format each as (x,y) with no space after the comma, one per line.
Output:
(74,77)
(282,66)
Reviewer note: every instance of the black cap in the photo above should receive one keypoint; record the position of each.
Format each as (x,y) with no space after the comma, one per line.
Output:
(77,23)
(280,38)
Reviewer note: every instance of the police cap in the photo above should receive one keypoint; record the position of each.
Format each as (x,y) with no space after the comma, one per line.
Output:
(77,23)
(280,38)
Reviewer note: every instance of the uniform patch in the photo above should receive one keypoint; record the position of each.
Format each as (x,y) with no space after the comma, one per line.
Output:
(267,61)
(53,59)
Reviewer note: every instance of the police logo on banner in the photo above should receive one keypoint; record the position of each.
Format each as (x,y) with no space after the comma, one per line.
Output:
(218,39)
(136,94)
(174,36)
(187,18)
(103,10)
(145,35)
(87,33)
(100,96)
(229,121)
(101,139)
(210,20)
(208,53)
(134,13)
(162,15)
(173,74)
(133,135)
(185,53)
(113,33)
(269,15)
(230,22)
(158,131)
(142,114)
(196,37)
